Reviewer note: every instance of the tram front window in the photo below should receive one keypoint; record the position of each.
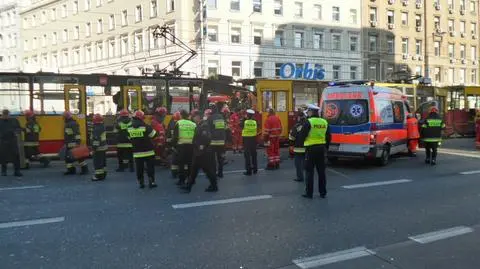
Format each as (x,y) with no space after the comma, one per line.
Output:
(267,98)
(49,99)
(14,97)
(181,98)
(303,96)
(98,102)
(74,101)
(153,97)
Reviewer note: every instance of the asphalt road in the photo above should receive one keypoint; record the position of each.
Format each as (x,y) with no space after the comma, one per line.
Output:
(406,215)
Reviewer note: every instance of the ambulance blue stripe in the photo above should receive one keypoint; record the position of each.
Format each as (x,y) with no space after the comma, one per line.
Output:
(339,129)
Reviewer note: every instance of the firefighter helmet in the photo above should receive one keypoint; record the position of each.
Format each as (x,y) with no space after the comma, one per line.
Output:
(124,113)
(161,111)
(29,113)
(97,118)
(67,115)
(177,116)
(139,115)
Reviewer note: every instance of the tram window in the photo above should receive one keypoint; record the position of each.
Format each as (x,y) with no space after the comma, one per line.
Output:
(153,97)
(303,96)
(132,100)
(98,102)
(50,100)
(74,101)
(267,98)
(281,101)
(14,97)
(179,98)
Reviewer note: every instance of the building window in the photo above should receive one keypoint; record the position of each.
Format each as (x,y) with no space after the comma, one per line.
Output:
(437,74)
(473,76)
(112,51)
(65,57)
(418,47)
(25,45)
(138,13)
(212,33)
(317,11)
(336,42)
(335,14)
(99,51)
(236,69)
(436,22)
(473,53)
(451,26)
(124,45)
(373,14)
(299,39)
(336,72)
(390,45)
(461,75)
(298,9)
(450,4)
(418,70)
(278,66)
(74,7)
(451,50)
(473,26)
(278,7)
(451,75)
(212,68)
(318,41)
(153,8)
(436,46)
(212,4)
(54,38)
(473,7)
(53,14)
(353,43)
(138,42)
(462,5)
(390,17)
(405,45)
(372,43)
(404,18)
(257,6)
(418,20)
(353,16)
(87,4)
(44,41)
(124,17)
(257,37)
(76,32)
(99,3)
(76,56)
(462,52)
(353,72)
(258,69)
(88,29)
(111,22)
(235,5)
(170,5)
(279,41)
(63,11)
(88,53)
(236,36)
(99,26)
(65,35)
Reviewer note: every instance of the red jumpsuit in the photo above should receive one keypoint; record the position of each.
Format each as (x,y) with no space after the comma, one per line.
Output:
(477,133)
(412,134)
(159,141)
(272,131)
(234,125)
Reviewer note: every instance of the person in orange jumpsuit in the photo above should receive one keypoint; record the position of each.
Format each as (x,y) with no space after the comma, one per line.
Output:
(159,142)
(412,135)
(272,130)
(234,125)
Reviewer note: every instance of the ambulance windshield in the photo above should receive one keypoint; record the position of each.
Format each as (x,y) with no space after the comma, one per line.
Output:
(345,111)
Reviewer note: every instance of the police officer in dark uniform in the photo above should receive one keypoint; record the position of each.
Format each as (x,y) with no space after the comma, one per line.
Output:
(296,141)
(170,131)
(218,129)
(203,156)
(9,130)
(124,146)
(431,135)
(141,135)
(249,135)
(72,139)
(99,145)
(316,136)
(31,142)
(182,141)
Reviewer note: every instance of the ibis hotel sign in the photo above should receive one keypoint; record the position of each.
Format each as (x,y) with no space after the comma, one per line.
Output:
(308,71)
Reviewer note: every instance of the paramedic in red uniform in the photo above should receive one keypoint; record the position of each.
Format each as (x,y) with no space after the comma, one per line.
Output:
(159,141)
(413,134)
(234,125)
(477,130)
(272,130)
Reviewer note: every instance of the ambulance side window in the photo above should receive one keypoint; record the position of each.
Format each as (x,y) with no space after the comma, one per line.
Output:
(384,111)
(398,112)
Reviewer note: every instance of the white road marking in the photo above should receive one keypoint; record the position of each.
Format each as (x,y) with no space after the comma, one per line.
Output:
(30,222)
(470,172)
(439,235)
(374,184)
(21,188)
(220,202)
(459,153)
(338,173)
(333,257)
(232,172)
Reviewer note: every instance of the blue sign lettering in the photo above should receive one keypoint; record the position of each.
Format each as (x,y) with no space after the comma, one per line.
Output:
(291,71)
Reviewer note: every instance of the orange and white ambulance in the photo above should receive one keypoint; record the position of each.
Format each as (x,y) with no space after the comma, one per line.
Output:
(366,121)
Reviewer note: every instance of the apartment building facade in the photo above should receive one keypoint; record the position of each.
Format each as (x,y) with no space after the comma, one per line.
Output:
(437,39)
(244,39)
(10,52)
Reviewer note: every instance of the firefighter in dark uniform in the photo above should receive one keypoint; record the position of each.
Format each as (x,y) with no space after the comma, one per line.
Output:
(218,130)
(72,140)
(9,129)
(141,136)
(316,136)
(431,135)
(249,135)
(203,156)
(31,142)
(99,145)
(170,130)
(182,140)
(124,146)
(296,141)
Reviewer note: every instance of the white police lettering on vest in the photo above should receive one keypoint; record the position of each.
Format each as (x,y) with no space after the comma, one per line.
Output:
(308,71)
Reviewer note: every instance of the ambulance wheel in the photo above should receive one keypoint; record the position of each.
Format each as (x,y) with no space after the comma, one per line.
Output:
(333,160)
(385,158)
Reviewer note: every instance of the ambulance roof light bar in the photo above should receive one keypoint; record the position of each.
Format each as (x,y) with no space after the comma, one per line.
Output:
(349,82)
